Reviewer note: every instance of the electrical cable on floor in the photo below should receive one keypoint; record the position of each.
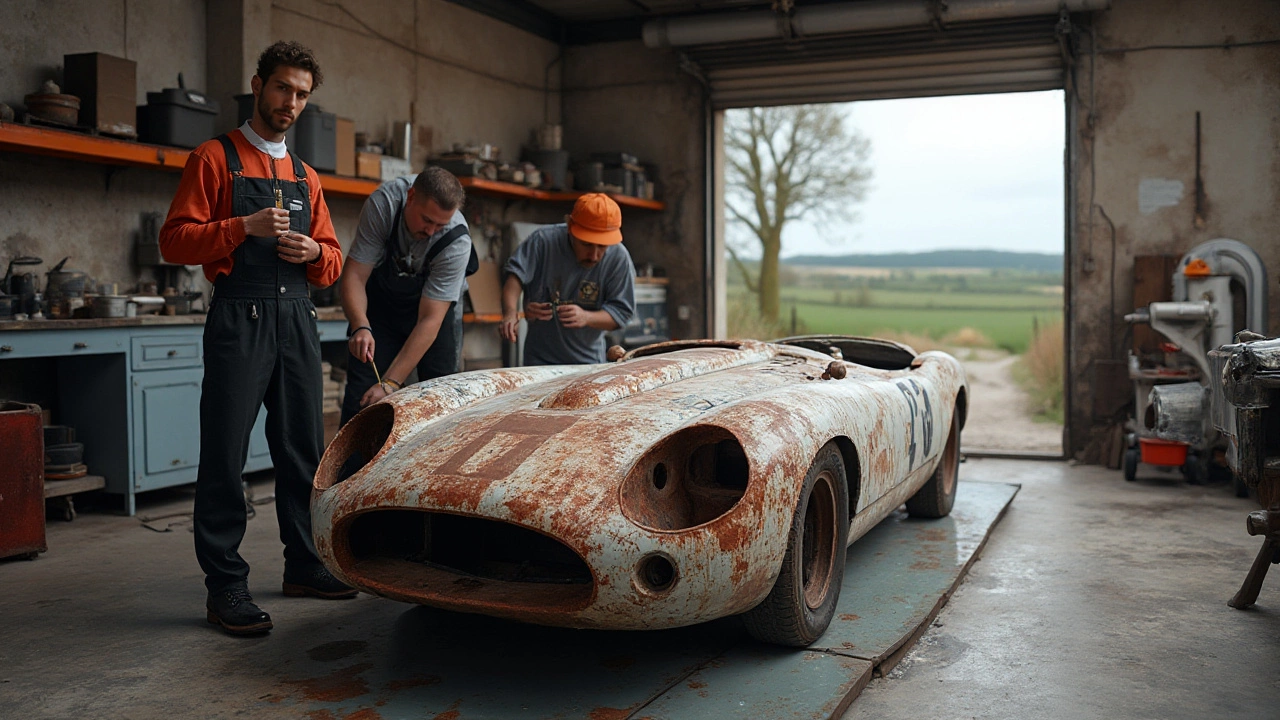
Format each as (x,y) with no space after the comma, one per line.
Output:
(249,505)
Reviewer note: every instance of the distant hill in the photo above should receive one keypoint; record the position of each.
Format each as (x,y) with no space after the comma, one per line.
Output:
(992,259)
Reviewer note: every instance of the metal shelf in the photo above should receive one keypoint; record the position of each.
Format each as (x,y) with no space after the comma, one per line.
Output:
(71,145)
(52,142)
(497,188)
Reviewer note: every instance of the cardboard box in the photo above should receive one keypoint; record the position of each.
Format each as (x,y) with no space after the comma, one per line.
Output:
(369,165)
(485,289)
(108,90)
(346,160)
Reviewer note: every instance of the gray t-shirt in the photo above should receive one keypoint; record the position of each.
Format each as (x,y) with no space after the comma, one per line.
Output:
(544,263)
(447,278)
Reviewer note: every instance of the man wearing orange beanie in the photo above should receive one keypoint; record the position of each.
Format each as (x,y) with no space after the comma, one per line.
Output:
(578,283)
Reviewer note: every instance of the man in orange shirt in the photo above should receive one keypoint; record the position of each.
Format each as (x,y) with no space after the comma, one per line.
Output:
(254,216)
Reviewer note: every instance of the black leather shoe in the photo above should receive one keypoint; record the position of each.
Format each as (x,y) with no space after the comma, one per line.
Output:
(317,582)
(234,610)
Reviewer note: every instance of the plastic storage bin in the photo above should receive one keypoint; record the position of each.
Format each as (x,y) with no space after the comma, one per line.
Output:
(1162,452)
(177,116)
(313,136)
(317,138)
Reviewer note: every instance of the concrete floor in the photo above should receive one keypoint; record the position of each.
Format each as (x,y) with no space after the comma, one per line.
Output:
(1093,598)
(1097,598)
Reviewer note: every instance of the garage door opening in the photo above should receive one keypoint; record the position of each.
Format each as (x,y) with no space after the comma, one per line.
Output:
(936,221)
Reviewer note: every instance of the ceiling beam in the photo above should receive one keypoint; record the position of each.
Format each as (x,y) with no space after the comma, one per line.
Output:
(521,14)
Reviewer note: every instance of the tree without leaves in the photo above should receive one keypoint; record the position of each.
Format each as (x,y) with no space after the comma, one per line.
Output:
(784,164)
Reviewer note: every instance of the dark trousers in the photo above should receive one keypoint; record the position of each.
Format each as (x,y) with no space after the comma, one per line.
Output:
(440,359)
(260,351)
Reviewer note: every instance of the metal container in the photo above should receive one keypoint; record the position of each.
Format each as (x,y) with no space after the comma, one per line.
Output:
(64,284)
(177,116)
(109,306)
(63,454)
(54,108)
(554,165)
(21,480)
(59,434)
(177,304)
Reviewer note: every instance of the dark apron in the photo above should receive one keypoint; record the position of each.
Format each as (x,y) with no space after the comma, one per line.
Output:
(258,271)
(393,299)
(261,347)
(394,295)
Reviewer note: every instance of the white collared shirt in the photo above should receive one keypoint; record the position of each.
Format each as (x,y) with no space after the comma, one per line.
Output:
(276,150)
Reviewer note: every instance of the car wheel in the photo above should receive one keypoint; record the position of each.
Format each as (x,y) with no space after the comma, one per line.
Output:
(935,498)
(1131,458)
(803,600)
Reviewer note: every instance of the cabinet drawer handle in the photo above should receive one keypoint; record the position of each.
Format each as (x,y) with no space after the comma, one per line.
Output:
(6,348)
(80,345)
(172,353)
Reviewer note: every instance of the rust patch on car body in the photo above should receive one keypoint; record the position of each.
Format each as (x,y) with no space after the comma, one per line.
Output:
(539,494)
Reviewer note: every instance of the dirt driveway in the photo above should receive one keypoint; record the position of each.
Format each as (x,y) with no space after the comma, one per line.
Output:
(999,415)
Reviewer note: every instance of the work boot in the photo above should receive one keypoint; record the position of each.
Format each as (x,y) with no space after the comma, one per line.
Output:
(234,610)
(316,582)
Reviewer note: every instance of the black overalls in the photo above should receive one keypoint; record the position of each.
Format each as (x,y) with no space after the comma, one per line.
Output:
(394,296)
(261,346)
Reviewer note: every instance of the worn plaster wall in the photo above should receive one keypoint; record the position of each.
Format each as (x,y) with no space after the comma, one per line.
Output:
(57,208)
(459,76)
(1134,121)
(624,96)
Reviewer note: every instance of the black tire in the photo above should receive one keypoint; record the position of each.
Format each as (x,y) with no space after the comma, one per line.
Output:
(1242,490)
(935,498)
(1194,470)
(803,600)
(1131,458)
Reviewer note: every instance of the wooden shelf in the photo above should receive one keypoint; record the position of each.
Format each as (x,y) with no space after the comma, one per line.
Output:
(52,142)
(348,187)
(497,188)
(70,145)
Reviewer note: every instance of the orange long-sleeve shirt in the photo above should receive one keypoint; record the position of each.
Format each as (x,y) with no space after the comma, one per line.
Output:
(201,231)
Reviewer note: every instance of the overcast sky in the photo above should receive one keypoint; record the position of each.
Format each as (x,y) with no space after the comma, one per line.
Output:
(965,172)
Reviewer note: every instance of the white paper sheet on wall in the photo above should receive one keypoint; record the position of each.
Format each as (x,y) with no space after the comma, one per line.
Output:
(1156,193)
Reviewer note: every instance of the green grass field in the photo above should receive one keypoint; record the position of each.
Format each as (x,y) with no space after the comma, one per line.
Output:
(918,299)
(1009,329)
(1005,306)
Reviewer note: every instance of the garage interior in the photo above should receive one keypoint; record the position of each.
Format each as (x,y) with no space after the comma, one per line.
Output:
(1090,596)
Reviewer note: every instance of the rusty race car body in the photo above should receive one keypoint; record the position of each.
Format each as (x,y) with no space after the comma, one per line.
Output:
(686,482)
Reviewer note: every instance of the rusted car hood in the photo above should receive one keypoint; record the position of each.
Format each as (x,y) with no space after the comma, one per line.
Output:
(548,448)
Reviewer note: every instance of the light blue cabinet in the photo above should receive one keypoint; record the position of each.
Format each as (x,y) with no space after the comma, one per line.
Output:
(164,436)
(133,395)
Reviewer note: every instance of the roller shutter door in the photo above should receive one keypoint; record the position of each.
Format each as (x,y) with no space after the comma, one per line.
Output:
(1009,56)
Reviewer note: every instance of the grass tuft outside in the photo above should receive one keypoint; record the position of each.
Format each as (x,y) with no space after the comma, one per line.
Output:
(745,322)
(916,341)
(967,337)
(1040,372)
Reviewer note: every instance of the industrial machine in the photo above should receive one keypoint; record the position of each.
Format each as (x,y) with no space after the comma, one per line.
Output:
(1219,287)
(1246,409)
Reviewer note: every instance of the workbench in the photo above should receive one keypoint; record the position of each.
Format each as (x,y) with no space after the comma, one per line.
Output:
(131,389)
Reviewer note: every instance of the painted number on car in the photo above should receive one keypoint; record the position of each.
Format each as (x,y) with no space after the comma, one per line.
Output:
(921,422)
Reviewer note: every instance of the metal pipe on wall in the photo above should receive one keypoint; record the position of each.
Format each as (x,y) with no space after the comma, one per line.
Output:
(845,17)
